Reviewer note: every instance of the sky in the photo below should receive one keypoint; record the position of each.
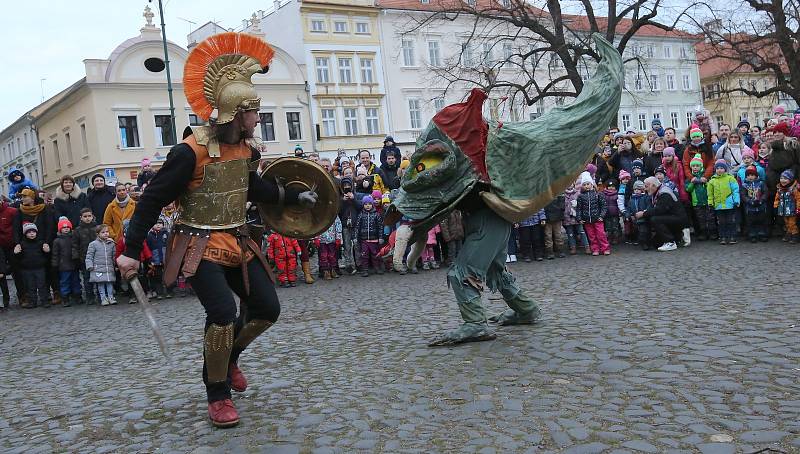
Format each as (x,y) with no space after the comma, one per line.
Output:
(50,39)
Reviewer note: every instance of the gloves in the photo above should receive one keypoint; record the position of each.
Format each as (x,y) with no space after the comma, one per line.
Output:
(307,199)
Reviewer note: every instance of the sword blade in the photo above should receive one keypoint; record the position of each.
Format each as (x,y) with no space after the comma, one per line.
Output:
(144,302)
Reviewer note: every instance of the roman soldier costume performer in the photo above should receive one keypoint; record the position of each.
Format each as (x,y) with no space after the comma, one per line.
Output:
(209,177)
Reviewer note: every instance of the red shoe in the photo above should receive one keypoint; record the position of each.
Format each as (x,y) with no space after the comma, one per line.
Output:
(238,381)
(222,413)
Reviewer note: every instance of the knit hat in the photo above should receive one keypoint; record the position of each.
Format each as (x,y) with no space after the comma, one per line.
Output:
(386,200)
(28,192)
(28,226)
(747,153)
(298,147)
(721,163)
(64,222)
(638,184)
(696,161)
(637,164)
(145,162)
(669,151)
(619,135)
(781,127)
(660,169)
(591,168)
(376,194)
(405,163)
(623,174)
(656,121)
(695,132)
(743,123)
(779,109)
(699,110)
(388,139)
(751,170)
(788,174)
(367,200)
(361,171)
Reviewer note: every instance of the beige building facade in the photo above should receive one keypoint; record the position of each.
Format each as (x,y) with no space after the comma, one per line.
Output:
(119,113)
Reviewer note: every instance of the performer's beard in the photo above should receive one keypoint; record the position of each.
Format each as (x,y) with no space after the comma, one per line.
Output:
(231,133)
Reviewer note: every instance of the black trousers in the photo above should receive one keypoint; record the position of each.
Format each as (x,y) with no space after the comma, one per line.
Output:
(37,286)
(667,228)
(215,285)
(531,241)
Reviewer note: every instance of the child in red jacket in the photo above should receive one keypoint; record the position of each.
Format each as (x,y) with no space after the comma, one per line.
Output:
(144,261)
(283,252)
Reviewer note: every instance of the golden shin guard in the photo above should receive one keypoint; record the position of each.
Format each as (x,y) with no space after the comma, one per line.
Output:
(250,331)
(218,343)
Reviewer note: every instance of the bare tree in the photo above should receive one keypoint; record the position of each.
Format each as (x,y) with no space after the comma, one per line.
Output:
(533,49)
(754,36)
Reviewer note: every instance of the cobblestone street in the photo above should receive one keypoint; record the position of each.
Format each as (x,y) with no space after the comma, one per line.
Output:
(691,351)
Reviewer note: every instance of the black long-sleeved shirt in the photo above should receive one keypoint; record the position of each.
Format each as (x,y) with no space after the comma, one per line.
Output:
(172,180)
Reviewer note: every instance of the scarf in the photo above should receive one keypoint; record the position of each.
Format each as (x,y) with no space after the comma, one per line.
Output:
(122,204)
(32,210)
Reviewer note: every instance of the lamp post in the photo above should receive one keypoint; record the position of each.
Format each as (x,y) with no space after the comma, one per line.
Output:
(169,77)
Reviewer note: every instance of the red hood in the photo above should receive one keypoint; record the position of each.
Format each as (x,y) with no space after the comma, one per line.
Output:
(464,124)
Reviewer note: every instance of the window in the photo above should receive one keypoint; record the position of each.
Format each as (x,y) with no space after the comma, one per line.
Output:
(350,122)
(366,71)
(656,115)
(56,154)
(267,126)
(345,71)
(651,50)
(434,57)
(538,111)
(371,114)
(687,82)
(329,122)
(506,3)
(362,28)
(164,131)
(626,122)
(414,114)
(293,123)
(194,120)
(323,76)
(466,55)
(340,27)
(486,54)
(19,149)
(508,51)
(689,118)
(638,83)
(83,141)
(684,53)
(673,119)
(68,140)
(667,51)
(471,2)
(128,131)
(642,121)
(743,116)
(670,82)
(654,82)
(719,119)
(560,101)
(408,52)
(438,104)
(317,25)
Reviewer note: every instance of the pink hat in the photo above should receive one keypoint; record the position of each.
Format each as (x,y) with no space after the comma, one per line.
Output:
(779,109)
(624,174)
(669,151)
(749,153)
(591,168)
(376,194)
(145,162)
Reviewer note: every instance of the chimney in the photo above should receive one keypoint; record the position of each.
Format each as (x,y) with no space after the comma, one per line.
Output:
(713,30)
(245,24)
(277,5)
(261,13)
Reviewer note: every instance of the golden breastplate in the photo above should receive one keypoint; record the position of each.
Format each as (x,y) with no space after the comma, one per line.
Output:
(220,201)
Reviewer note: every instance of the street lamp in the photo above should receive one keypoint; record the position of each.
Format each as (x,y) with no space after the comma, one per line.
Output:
(169,77)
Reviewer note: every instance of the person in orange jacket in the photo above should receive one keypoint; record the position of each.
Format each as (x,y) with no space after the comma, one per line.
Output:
(283,252)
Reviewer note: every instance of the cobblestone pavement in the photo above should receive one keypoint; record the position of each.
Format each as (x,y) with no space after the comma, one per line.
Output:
(690,351)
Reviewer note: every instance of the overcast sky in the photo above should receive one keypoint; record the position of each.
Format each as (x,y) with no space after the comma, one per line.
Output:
(51,38)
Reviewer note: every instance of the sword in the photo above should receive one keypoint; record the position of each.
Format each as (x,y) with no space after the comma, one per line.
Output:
(141,297)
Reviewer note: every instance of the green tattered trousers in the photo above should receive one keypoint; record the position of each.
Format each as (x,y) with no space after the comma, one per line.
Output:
(482,260)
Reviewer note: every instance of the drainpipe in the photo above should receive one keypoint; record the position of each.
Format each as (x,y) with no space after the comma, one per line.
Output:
(307,104)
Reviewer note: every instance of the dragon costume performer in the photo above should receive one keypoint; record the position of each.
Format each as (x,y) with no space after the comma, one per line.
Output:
(209,176)
(499,174)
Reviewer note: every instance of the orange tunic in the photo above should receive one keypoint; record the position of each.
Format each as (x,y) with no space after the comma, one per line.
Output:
(223,247)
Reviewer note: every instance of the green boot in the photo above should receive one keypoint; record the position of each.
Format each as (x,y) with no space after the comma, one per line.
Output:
(523,311)
(474,329)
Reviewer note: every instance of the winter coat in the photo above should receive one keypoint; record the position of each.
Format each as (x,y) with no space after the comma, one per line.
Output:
(144,178)
(100,260)
(697,190)
(392,149)
(3,263)
(70,205)
(145,256)
(15,187)
(651,162)
(638,202)
(7,216)
(369,226)
(787,199)
(431,241)
(536,219)
(390,178)
(349,209)
(83,235)
(665,203)
(742,177)
(333,234)
(732,154)
(99,199)
(63,255)
(283,251)
(453,226)
(623,160)
(115,215)
(785,155)
(45,223)
(723,192)
(157,243)
(603,168)
(754,196)
(591,207)
(32,256)
(676,176)
(704,149)
(554,211)
(570,205)
(611,195)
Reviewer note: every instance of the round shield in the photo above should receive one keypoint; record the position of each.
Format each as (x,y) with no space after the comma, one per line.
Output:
(293,220)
